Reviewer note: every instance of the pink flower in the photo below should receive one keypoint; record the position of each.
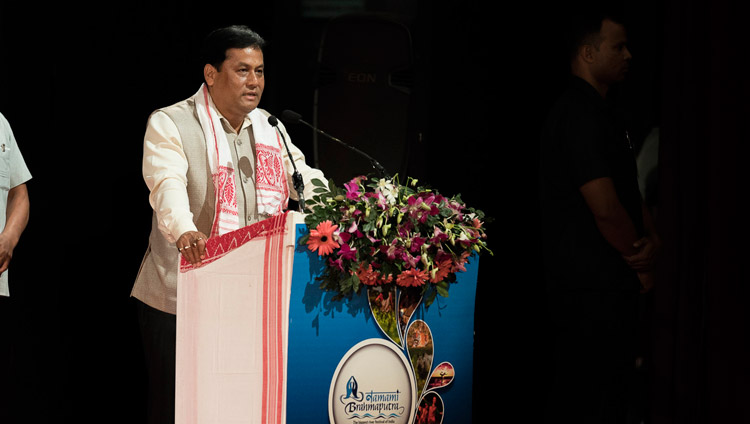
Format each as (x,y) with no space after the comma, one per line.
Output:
(353,228)
(322,238)
(338,263)
(458,265)
(352,190)
(421,206)
(457,208)
(393,250)
(411,260)
(438,236)
(347,252)
(416,244)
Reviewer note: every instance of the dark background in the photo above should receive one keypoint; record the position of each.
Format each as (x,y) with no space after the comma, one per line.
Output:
(78,83)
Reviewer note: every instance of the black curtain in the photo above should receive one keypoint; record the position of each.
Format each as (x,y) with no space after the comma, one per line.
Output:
(74,337)
(700,323)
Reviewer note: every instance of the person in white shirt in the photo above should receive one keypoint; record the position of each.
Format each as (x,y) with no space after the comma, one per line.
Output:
(14,199)
(212,164)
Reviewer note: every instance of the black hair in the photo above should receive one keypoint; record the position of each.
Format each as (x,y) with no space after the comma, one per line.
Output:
(585,28)
(216,44)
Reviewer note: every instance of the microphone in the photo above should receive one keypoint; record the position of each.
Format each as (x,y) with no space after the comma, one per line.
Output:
(291,117)
(299,183)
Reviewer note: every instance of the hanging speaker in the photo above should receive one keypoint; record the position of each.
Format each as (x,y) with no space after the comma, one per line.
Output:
(363,92)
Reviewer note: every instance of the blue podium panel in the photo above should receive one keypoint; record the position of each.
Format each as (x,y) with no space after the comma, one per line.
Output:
(322,331)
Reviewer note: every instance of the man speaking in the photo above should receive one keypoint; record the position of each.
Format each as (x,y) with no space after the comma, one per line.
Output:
(213,164)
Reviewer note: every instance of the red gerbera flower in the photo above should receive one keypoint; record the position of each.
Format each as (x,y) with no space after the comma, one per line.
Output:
(321,238)
(411,278)
(441,271)
(367,275)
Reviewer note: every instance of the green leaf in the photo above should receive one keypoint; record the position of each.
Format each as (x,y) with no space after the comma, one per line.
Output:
(442,291)
(318,183)
(429,298)
(346,284)
(355,283)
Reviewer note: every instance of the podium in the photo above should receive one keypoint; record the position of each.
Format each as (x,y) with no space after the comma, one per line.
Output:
(259,342)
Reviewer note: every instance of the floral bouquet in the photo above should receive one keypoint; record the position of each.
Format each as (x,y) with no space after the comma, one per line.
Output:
(377,232)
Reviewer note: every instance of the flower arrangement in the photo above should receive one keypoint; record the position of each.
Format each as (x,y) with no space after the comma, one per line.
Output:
(377,233)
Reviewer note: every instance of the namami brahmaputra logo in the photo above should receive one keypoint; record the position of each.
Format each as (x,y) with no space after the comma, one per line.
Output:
(372,404)
(373,384)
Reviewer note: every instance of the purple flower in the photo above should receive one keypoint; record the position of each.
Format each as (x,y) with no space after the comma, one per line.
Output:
(352,190)
(336,263)
(411,260)
(347,252)
(393,250)
(422,206)
(416,244)
(438,236)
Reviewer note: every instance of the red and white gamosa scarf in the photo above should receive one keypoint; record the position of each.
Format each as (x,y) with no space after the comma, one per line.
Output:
(272,193)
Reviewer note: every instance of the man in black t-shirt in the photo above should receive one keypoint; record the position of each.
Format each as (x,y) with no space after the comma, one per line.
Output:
(598,239)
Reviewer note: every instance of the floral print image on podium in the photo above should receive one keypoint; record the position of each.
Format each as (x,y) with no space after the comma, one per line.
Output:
(404,244)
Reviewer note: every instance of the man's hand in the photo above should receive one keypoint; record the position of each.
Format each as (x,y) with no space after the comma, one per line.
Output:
(6,251)
(646,256)
(192,245)
(647,281)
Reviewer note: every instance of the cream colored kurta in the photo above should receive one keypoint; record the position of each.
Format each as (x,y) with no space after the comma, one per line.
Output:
(176,172)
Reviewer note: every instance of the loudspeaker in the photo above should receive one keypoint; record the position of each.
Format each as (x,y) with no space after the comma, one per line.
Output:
(363,94)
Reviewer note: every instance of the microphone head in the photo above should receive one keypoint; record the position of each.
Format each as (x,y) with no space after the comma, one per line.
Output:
(290,117)
(273,121)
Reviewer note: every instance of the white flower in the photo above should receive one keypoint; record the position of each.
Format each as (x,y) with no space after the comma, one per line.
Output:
(386,188)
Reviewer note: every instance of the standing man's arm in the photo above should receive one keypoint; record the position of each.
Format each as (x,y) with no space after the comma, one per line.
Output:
(165,173)
(648,248)
(648,245)
(610,216)
(618,229)
(17,216)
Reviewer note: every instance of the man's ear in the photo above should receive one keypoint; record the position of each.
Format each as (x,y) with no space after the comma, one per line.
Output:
(586,52)
(209,74)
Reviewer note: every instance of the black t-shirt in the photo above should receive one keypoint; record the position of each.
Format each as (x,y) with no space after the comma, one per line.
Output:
(580,142)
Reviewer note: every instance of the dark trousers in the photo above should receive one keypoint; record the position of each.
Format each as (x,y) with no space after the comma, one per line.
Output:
(594,345)
(158,333)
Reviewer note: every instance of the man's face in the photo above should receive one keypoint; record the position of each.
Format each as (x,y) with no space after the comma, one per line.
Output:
(237,86)
(612,58)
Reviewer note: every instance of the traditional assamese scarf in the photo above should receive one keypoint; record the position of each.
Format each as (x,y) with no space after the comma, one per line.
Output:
(272,194)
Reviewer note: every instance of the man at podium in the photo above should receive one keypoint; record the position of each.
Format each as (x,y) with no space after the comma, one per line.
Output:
(213,164)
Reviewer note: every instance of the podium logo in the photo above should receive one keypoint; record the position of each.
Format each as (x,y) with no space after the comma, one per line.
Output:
(351,390)
(378,406)
(389,385)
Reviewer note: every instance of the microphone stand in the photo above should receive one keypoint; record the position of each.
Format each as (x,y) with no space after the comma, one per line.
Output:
(292,117)
(299,183)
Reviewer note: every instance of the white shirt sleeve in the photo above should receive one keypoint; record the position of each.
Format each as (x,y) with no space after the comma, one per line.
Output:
(18,172)
(165,172)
